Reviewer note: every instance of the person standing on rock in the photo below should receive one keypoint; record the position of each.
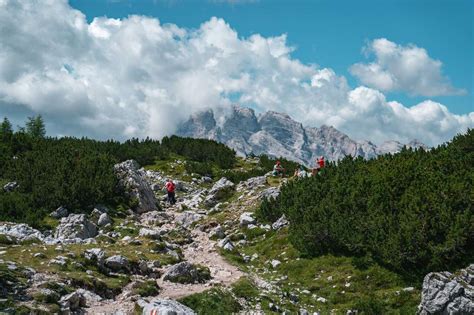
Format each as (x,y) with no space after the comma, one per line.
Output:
(170,188)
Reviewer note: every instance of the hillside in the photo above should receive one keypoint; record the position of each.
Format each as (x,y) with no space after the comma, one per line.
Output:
(277,134)
(101,237)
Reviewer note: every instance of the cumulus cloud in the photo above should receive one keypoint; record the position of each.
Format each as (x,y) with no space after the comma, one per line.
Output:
(403,68)
(135,77)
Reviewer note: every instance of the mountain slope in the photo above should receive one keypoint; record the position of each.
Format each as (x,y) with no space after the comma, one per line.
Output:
(277,134)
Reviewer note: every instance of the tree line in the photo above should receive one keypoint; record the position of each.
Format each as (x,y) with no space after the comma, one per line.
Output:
(78,173)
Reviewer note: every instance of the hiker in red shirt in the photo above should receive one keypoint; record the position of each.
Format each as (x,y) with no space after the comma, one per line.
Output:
(319,165)
(170,187)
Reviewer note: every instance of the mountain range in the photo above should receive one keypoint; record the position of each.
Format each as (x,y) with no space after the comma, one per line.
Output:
(278,135)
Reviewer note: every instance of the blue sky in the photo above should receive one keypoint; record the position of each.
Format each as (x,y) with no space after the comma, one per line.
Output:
(332,33)
(375,70)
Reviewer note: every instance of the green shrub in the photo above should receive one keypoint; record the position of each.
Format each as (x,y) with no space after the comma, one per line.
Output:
(412,211)
(212,302)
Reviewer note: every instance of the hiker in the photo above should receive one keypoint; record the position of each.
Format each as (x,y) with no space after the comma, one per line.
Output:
(319,165)
(170,187)
(302,172)
(278,170)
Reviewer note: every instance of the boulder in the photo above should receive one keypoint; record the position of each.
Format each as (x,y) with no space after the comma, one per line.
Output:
(154,218)
(252,183)
(104,219)
(20,232)
(275,263)
(59,213)
(117,263)
(446,293)
(71,302)
(75,226)
(154,234)
(271,193)
(160,306)
(221,189)
(95,256)
(246,219)
(217,232)
(187,218)
(185,272)
(133,181)
(9,187)
(280,223)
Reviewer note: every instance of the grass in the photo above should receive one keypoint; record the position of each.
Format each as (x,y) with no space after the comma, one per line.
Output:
(146,288)
(216,301)
(372,290)
(245,288)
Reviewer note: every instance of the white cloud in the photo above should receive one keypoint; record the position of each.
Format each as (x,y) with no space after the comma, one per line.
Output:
(403,68)
(137,77)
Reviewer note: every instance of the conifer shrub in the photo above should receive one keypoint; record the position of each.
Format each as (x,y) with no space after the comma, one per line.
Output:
(412,211)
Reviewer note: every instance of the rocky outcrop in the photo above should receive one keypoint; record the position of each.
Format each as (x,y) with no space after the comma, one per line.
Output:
(59,213)
(117,263)
(184,272)
(165,307)
(221,189)
(11,186)
(133,181)
(280,223)
(20,232)
(447,293)
(75,226)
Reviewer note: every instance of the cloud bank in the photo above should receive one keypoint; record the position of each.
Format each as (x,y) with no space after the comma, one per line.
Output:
(403,68)
(136,77)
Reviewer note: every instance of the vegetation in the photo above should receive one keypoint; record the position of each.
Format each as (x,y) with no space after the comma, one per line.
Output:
(412,211)
(78,173)
(212,302)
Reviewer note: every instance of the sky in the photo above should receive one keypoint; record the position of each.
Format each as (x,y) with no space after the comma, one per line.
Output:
(376,70)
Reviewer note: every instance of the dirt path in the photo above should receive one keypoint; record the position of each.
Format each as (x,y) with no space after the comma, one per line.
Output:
(201,251)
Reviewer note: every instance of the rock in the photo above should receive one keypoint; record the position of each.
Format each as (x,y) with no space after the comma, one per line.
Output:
(95,256)
(75,226)
(59,213)
(135,185)
(228,246)
(117,263)
(275,263)
(77,299)
(321,299)
(303,312)
(217,232)
(9,187)
(446,293)
(252,183)
(104,219)
(246,218)
(59,260)
(88,298)
(280,223)
(71,302)
(154,218)
(271,193)
(160,306)
(154,234)
(206,179)
(221,189)
(184,272)
(408,289)
(20,232)
(187,218)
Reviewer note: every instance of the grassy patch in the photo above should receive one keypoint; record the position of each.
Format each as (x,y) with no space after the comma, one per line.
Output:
(214,301)
(245,288)
(146,288)
(372,289)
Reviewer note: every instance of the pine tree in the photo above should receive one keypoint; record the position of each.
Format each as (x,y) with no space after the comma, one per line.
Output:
(35,127)
(6,130)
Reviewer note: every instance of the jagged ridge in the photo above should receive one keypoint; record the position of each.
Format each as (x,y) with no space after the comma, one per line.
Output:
(277,134)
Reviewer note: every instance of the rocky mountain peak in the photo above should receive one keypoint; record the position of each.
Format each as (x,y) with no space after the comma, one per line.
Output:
(277,134)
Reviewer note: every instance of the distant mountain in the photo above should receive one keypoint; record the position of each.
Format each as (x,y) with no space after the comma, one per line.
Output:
(277,134)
